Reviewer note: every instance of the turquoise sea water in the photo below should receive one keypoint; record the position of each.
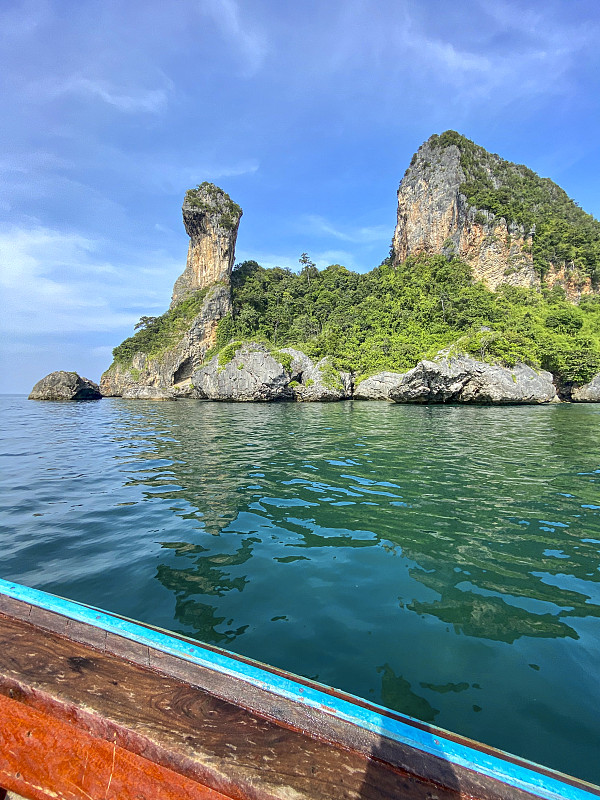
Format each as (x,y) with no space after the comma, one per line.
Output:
(442,561)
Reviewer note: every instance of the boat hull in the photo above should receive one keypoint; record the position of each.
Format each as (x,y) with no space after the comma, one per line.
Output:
(94,705)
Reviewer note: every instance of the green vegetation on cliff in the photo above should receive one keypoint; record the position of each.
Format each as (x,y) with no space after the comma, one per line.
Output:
(157,334)
(564,233)
(209,198)
(390,318)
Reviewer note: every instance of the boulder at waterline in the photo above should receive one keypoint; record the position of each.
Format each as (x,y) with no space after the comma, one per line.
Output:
(319,382)
(62,385)
(462,379)
(588,393)
(136,392)
(251,374)
(378,387)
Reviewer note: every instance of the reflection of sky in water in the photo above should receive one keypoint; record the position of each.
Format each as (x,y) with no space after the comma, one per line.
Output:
(449,568)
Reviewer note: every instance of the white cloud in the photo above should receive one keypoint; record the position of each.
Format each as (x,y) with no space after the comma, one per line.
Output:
(33,161)
(488,51)
(315,224)
(54,282)
(129,100)
(149,100)
(457,64)
(246,40)
(473,76)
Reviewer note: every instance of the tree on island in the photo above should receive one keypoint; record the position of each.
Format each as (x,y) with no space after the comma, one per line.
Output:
(308,268)
(145,322)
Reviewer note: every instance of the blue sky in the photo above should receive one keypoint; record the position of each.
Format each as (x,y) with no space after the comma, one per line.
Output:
(307,114)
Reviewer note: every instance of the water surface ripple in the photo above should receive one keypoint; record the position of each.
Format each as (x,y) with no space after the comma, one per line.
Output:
(442,561)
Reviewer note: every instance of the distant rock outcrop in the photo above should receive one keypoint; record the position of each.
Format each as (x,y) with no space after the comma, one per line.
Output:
(456,200)
(65,386)
(435,217)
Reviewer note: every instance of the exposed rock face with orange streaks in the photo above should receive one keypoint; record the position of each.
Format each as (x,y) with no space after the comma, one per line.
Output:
(211,221)
(155,370)
(575,283)
(434,217)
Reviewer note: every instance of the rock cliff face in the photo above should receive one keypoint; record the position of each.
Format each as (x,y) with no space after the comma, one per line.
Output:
(158,362)
(588,393)
(211,220)
(172,367)
(575,283)
(435,217)
(510,225)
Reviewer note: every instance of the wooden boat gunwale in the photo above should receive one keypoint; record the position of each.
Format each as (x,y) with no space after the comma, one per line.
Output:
(331,703)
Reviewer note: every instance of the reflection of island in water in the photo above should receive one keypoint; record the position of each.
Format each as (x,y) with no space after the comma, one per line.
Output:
(396,693)
(476,610)
(206,575)
(278,483)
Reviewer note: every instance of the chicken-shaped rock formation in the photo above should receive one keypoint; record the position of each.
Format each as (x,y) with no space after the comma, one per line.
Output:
(211,220)
(158,361)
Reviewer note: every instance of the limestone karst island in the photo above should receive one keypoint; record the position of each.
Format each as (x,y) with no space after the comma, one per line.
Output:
(490,294)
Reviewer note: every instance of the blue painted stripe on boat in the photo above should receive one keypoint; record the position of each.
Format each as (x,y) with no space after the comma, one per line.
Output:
(518,775)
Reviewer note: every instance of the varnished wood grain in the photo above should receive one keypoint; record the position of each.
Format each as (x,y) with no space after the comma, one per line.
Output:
(185,729)
(226,735)
(289,712)
(44,758)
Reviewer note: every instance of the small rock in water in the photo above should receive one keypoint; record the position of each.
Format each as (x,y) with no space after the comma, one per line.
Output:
(65,386)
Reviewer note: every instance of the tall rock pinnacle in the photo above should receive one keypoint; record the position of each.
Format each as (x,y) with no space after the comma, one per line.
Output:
(211,220)
(158,361)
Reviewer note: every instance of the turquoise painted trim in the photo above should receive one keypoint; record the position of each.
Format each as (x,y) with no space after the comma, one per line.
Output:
(495,766)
